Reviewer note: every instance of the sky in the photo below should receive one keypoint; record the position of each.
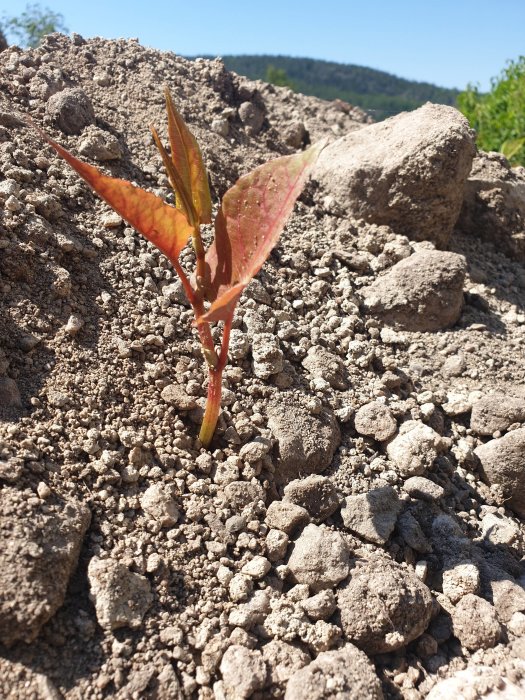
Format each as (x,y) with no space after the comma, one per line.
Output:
(447,42)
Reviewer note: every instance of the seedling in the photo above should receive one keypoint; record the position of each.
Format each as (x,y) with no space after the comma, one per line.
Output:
(248,224)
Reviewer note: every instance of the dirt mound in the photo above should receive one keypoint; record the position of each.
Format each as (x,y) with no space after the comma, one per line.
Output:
(227,573)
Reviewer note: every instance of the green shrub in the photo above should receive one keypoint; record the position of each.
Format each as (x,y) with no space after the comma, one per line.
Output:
(499,116)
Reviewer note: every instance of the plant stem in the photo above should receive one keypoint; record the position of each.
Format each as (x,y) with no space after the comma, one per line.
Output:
(213,400)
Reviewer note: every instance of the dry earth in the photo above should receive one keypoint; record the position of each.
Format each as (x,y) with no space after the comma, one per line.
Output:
(355,531)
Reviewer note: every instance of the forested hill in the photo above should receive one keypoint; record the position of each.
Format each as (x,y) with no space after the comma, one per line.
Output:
(382,94)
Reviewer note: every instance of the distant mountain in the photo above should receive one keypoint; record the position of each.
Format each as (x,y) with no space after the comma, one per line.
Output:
(380,93)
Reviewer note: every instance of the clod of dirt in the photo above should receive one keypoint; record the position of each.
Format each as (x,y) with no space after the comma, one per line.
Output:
(370,173)
(421,293)
(70,110)
(372,515)
(414,450)
(320,558)
(494,203)
(496,412)
(375,420)
(503,461)
(383,606)
(316,494)
(475,624)
(39,547)
(344,674)
(305,443)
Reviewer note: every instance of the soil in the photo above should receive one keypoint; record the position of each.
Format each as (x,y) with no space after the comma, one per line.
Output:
(178,559)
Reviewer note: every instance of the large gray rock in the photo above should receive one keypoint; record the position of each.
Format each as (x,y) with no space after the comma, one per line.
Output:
(494,204)
(503,462)
(421,293)
(407,172)
(383,606)
(305,442)
(345,673)
(39,549)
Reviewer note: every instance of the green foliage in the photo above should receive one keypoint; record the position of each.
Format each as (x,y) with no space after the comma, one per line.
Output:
(382,94)
(499,116)
(33,24)
(278,76)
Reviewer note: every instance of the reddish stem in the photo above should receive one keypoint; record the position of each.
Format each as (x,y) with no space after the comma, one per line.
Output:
(213,400)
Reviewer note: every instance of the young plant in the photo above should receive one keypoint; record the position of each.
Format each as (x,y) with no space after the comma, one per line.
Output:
(248,224)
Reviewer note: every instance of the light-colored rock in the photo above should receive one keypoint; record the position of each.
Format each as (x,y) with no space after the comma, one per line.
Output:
(175,395)
(503,462)
(320,606)
(460,579)
(424,489)
(408,172)
(305,442)
(494,204)
(496,412)
(343,673)
(475,623)
(243,671)
(375,420)
(372,515)
(160,505)
(383,606)
(276,544)
(414,450)
(286,516)
(421,293)
(267,355)
(283,660)
(121,597)
(476,681)
(316,494)
(39,549)
(320,558)
(99,145)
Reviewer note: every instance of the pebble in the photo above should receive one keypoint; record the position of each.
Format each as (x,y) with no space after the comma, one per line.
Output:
(286,516)
(121,597)
(257,567)
(320,558)
(415,449)
(159,505)
(267,355)
(460,579)
(375,420)
(475,624)
(320,606)
(422,488)
(372,515)
(243,671)
(74,324)
(314,493)
(276,544)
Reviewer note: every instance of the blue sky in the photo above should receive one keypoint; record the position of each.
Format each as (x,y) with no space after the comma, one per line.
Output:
(449,42)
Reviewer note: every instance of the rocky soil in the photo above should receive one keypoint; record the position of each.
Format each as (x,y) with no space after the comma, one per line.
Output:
(356,529)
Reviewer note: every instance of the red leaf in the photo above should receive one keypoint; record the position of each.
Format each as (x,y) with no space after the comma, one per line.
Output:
(252,215)
(163,225)
(187,161)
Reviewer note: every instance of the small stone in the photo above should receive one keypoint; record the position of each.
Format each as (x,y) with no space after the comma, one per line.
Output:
(499,530)
(316,494)
(343,673)
(74,324)
(239,494)
(257,567)
(475,623)
(496,412)
(324,364)
(9,393)
(460,579)
(503,462)
(99,145)
(372,515)
(422,488)
(320,558)
(283,660)
(243,671)
(254,451)
(411,532)
(43,490)
(252,117)
(267,355)
(121,597)
(220,126)
(159,505)
(112,220)
(414,450)
(285,516)
(176,396)
(71,110)
(240,587)
(375,420)
(276,544)
(320,606)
